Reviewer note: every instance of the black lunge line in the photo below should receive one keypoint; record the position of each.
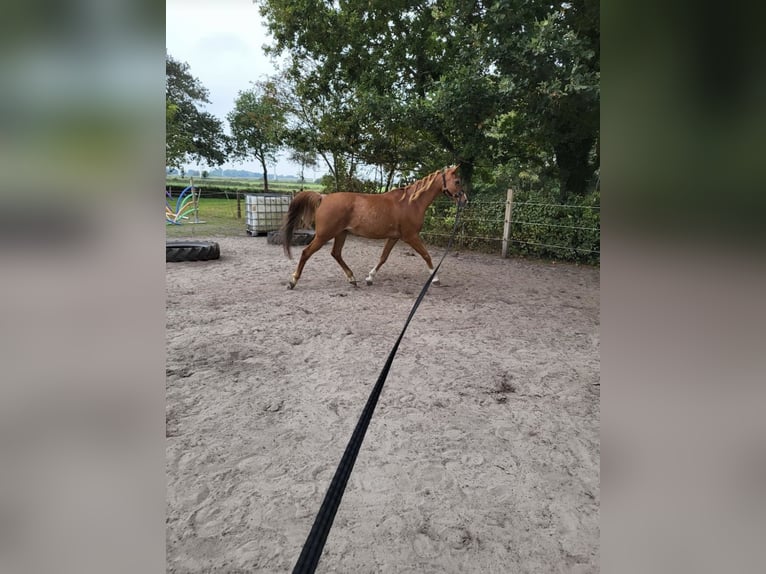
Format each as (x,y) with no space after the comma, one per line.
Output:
(312,548)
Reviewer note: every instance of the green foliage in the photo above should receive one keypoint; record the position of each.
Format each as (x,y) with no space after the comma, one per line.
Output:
(353,184)
(190,132)
(416,85)
(323,123)
(549,53)
(569,231)
(540,227)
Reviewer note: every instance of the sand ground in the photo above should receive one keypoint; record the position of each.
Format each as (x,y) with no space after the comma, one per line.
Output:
(482,456)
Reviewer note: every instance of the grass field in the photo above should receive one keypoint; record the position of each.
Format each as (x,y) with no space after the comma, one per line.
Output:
(220,217)
(241,184)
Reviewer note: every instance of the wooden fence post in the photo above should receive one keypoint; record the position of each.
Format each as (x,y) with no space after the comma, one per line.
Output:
(196,203)
(507,224)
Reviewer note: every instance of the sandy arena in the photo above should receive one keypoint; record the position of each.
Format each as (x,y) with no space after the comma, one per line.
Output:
(482,456)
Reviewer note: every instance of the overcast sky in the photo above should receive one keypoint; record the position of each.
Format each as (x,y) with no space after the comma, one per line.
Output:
(222,41)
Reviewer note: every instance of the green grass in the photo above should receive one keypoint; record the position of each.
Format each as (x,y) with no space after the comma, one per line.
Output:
(219,215)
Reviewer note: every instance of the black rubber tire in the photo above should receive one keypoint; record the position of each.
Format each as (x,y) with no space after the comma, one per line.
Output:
(177,251)
(300,237)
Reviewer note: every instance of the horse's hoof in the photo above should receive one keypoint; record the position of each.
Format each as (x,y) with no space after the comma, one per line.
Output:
(436,283)
(368,282)
(290,285)
(354,283)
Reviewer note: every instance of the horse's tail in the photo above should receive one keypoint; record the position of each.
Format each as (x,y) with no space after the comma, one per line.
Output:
(301,211)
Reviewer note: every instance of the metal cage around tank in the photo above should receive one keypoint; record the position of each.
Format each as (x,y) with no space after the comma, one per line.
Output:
(264,212)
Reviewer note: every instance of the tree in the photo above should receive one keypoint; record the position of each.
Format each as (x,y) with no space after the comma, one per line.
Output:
(406,70)
(258,125)
(551,53)
(421,83)
(190,132)
(323,122)
(302,151)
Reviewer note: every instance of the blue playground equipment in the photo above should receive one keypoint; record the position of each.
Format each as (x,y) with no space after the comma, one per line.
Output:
(185,204)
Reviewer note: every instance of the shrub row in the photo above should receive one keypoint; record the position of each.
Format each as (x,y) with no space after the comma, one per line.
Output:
(539,227)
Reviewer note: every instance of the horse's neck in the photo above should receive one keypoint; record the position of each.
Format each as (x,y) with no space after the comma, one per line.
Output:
(428,195)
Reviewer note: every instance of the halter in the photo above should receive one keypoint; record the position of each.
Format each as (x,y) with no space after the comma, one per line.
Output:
(446,192)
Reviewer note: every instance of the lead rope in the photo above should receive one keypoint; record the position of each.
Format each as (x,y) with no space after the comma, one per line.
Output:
(312,548)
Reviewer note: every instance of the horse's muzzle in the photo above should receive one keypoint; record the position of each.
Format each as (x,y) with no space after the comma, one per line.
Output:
(459,198)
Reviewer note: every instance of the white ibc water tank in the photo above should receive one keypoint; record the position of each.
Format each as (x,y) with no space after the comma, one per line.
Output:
(264,212)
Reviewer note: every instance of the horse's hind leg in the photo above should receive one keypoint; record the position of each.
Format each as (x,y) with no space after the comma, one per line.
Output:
(315,245)
(337,247)
(383,257)
(416,243)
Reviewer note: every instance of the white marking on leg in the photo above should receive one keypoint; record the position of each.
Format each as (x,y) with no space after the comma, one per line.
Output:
(435,280)
(371,276)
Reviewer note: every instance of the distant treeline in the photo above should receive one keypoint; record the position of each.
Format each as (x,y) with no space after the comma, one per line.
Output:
(231,173)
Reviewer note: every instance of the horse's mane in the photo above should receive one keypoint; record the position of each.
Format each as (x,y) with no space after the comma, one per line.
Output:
(415,190)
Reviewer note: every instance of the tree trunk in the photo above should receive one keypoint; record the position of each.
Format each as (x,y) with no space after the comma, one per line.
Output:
(329,164)
(265,176)
(337,172)
(574,168)
(466,175)
(389,179)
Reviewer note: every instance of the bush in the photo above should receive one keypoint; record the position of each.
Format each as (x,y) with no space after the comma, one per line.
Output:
(348,184)
(543,228)
(540,227)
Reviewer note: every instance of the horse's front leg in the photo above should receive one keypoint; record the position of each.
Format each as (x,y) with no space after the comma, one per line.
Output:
(383,257)
(417,244)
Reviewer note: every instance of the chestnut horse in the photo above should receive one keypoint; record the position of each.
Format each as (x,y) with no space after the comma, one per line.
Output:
(394,215)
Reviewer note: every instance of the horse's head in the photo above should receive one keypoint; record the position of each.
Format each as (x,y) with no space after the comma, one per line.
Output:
(452,187)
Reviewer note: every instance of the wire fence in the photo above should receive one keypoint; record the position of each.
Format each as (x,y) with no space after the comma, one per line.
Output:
(570,232)
(548,230)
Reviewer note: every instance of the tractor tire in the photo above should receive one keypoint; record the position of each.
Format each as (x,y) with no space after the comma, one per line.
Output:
(300,237)
(177,251)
